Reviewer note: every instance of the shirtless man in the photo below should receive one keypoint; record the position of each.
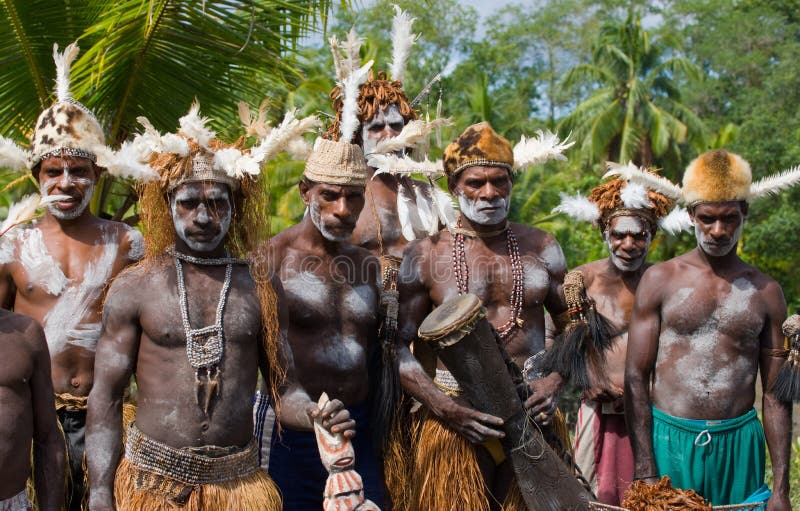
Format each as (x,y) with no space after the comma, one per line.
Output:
(704,324)
(56,270)
(331,289)
(487,250)
(628,223)
(192,443)
(26,398)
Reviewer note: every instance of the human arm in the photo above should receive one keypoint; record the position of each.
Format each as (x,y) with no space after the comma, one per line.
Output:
(49,451)
(115,362)
(297,409)
(415,304)
(777,414)
(7,288)
(643,335)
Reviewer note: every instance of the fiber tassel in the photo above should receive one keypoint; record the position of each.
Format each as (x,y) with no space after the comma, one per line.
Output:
(786,386)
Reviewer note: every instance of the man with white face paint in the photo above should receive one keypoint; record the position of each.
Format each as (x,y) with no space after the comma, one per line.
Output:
(516,271)
(331,288)
(57,269)
(196,322)
(627,215)
(704,325)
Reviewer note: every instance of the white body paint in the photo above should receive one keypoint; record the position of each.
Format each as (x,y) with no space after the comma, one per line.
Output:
(390,116)
(136,241)
(42,269)
(316,218)
(219,192)
(703,241)
(476,212)
(64,180)
(628,225)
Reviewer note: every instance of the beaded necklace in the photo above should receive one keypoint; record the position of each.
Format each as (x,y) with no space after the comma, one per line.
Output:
(517,299)
(204,346)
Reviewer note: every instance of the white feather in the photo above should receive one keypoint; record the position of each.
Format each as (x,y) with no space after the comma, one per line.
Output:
(176,144)
(654,182)
(772,185)
(634,196)
(413,133)
(338,63)
(428,214)
(226,160)
(445,206)
(578,207)
(539,149)
(13,156)
(20,212)
(63,64)
(194,126)
(676,221)
(395,165)
(402,41)
(407,213)
(350,104)
(126,162)
(351,47)
(299,148)
(282,136)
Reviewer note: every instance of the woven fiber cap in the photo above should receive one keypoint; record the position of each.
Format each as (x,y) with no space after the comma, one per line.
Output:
(336,163)
(717,176)
(203,171)
(479,145)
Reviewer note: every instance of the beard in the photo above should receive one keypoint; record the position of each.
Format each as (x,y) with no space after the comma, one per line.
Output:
(75,212)
(707,243)
(201,246)
(316,219)
(476,210)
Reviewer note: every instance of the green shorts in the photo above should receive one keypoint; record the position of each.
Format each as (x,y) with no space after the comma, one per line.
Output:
(722,460)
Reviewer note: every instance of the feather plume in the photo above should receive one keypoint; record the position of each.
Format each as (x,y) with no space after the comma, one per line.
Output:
(255,125)
(676,221)
(151,141)
(428,214)
(13,156)
(444,205)
(282,136)
(63,64)
(25,210)
(407,213)
(299,148)
(402,41)
(350,103)
(351,47)
(654,182)
(176,144)
(539,149)
(338,63)
(634,196)
(194,126)
(772,185)
(127,162)
(392,164)
(413,133)
(578,207)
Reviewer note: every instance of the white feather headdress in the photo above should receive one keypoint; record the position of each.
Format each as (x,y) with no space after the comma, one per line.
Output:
(414,133)
(63,63)
(402,41)
(539,149)
(632,173)
(350,103)
(772,185)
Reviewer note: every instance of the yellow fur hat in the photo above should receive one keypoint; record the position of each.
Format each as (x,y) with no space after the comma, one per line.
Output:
(717,176)
(479,145)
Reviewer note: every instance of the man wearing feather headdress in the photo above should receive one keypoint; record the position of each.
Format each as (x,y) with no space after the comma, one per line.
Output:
(56,269)
(517,271)
(192,444)
(628,216)
(704,325)
(331,288)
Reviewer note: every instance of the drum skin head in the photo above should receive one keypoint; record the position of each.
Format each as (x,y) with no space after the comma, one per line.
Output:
(450,316)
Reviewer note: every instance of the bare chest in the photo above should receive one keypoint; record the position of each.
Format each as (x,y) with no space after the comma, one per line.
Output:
(317,300)
(16,365)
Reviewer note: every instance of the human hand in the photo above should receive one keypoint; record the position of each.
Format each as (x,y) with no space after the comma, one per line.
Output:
(603,393)
(779,502)
(542,403)
(476,426)
(334,417)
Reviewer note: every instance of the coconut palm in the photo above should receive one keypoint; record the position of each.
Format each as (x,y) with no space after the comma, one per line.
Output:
(150,57)
(634,110)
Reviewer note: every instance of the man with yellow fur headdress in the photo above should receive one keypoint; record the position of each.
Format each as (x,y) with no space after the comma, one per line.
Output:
(704,325)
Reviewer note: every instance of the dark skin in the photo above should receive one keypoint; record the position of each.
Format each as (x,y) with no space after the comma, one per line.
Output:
(73,244)
(143,335)
(682,306)
(426,281)
(331,293)
(26,398)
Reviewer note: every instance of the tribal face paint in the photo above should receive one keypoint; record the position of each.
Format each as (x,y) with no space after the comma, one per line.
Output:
(72,177)
(201,214)
(387,123)
(628,239)
(718,226)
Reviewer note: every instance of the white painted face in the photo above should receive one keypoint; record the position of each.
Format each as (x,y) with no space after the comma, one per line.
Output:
(316,217)
(484,212)
(712,247)
(71,177)
(628,239)
(201,214)
(387,123)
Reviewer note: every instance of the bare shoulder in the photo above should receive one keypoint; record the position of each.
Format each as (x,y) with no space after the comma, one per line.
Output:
(591,269)
(137,278)
(129,239)
(542,244)
(23,329)
(768,287)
